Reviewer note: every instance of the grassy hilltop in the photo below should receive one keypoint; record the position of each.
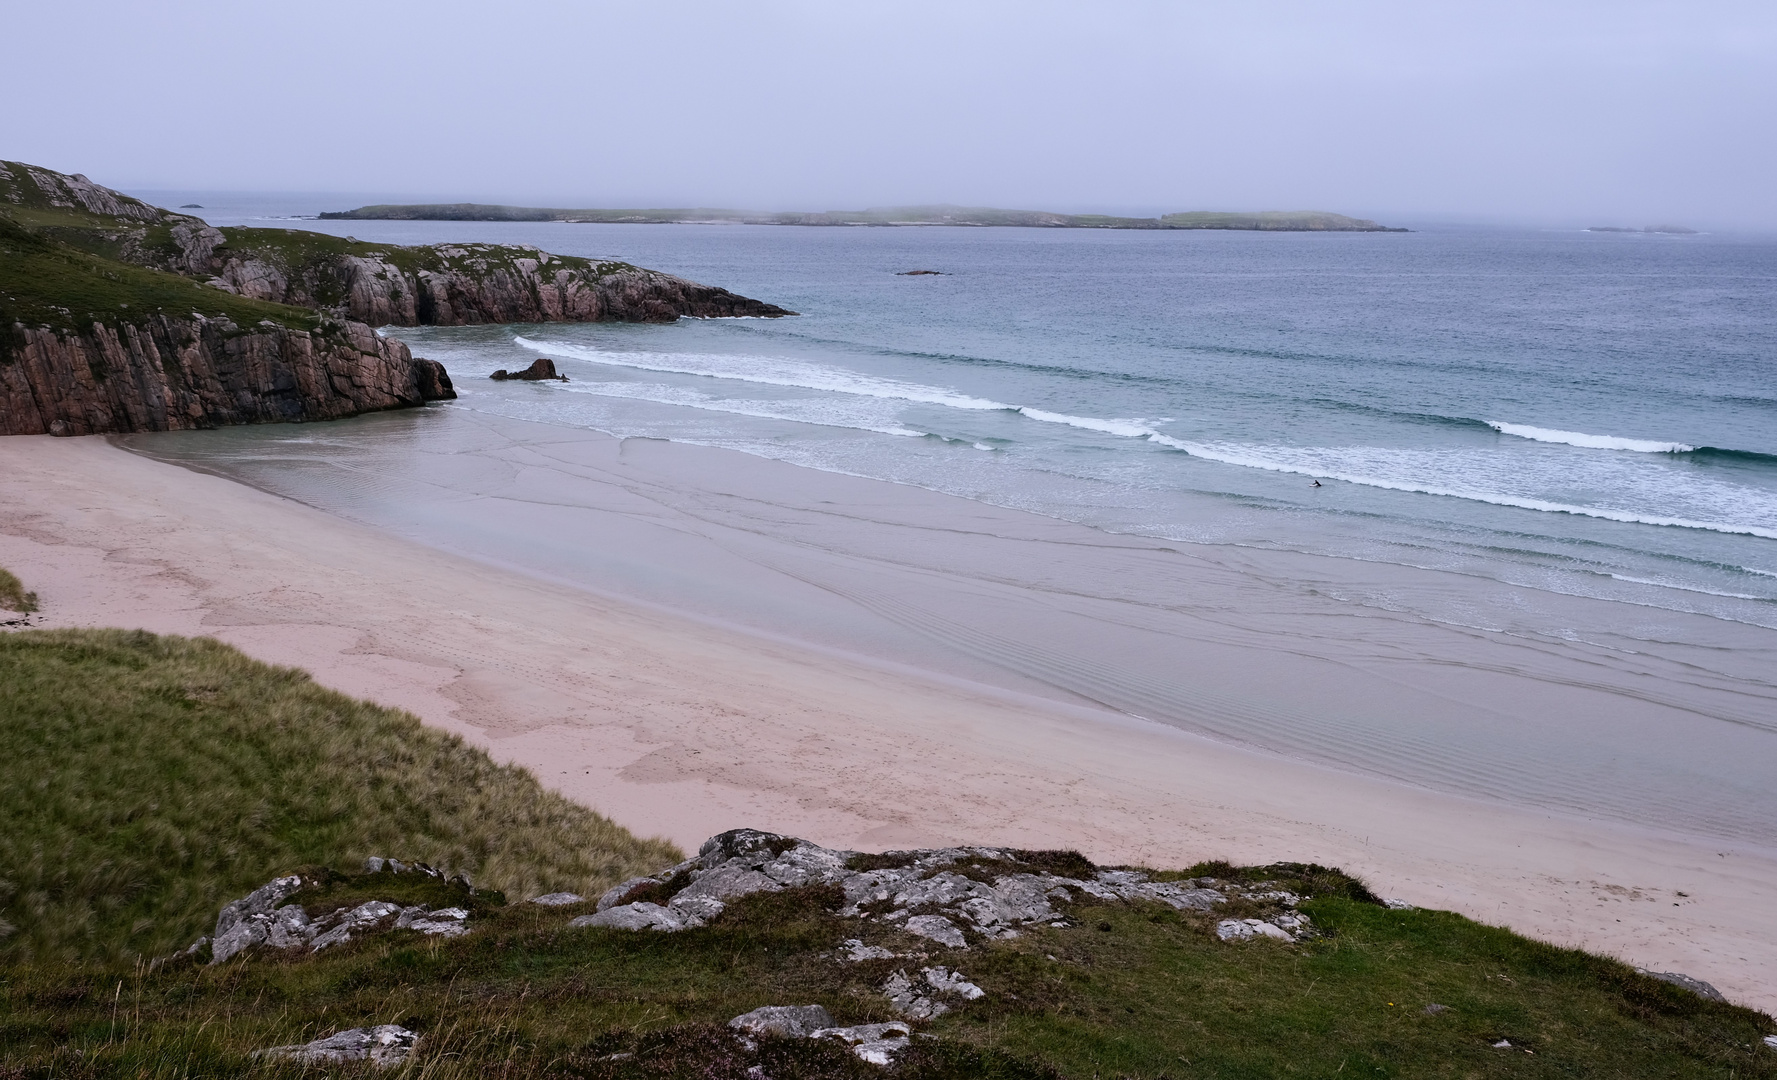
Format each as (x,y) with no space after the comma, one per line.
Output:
(146,780)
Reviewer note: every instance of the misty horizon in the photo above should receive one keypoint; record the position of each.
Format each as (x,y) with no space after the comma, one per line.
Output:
(1582,114)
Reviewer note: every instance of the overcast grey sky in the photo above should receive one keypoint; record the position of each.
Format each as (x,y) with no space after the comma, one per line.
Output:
(1625,112)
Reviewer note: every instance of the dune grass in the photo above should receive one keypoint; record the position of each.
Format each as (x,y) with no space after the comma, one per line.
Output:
(13,596)
(146,780)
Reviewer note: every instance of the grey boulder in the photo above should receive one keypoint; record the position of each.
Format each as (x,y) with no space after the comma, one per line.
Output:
(875,1043)
(797,1021)
(386,1044)
(937,928)
(642,916)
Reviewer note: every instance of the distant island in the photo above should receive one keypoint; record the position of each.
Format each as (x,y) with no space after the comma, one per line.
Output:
(980,217)
(1670,230)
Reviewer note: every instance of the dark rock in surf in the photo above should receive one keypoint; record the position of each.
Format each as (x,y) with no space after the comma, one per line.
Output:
(540,369)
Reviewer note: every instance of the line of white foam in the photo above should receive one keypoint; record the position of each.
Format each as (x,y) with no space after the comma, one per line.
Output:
(596,390)
(1224,456)
(1690,588)
(1590,442)
(1128,429)
(771,371)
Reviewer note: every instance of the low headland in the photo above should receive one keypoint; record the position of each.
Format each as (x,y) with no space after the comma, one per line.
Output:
(120,316)
(979,217)
(216,867)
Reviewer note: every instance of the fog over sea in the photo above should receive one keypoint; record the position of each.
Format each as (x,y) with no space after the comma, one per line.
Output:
(1577,431)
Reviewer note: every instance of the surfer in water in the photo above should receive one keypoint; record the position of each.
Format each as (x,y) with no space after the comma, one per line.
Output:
(1317,483)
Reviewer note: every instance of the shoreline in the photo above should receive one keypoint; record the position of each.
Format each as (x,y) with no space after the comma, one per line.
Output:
(681,726)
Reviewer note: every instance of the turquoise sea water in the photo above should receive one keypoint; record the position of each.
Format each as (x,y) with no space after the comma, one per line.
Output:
(1593,414)
(1572,436)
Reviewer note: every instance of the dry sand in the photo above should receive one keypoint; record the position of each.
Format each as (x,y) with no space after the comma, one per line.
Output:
(682,727)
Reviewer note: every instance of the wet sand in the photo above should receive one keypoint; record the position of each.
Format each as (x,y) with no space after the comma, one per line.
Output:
(690,640)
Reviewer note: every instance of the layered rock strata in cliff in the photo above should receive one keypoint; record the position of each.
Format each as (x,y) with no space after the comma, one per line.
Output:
(168,374)
(464,284)
(379,284)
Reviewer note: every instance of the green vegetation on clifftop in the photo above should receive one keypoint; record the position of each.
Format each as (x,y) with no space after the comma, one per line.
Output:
(146,780)
(45,282)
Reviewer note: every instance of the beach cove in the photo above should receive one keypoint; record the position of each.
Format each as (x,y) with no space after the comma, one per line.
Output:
(803,701)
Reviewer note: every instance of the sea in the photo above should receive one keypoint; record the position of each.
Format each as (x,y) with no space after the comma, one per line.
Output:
(1570,412)
(1487,510)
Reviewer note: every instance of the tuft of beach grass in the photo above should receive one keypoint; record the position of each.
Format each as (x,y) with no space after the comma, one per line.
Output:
(13,596)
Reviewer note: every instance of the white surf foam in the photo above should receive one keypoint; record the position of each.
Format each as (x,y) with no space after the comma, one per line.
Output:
(1690,588)
(769,371)
(1248,458)
(1129,429)
(666,395)
(1590,442)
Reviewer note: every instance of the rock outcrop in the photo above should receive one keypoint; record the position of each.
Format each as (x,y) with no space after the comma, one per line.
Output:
(875,1043)
(947,896)
(261,918)
(541,369)
(106,324)
(383,1045)
(460,284)
(166,374)
(379,284)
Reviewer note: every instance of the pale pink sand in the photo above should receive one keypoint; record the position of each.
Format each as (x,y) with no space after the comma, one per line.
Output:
(682,728)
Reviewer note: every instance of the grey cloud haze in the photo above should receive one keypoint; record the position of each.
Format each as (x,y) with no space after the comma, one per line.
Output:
(1628,112)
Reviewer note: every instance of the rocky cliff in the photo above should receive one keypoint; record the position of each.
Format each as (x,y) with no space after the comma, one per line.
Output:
(120,316)
(451,284)
(379,284)
(166,374)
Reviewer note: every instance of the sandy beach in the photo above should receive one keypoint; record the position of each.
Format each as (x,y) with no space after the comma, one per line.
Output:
(799,700)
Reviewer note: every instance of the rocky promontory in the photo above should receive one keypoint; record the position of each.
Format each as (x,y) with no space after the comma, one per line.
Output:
(378,284)
(118,316)
(168,374)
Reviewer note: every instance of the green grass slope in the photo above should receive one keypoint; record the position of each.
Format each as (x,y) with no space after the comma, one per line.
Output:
(1128,992)
(145,781)
(45,281)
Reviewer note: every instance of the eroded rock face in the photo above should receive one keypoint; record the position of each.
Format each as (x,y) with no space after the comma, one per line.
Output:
(454,284)
(166,374)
